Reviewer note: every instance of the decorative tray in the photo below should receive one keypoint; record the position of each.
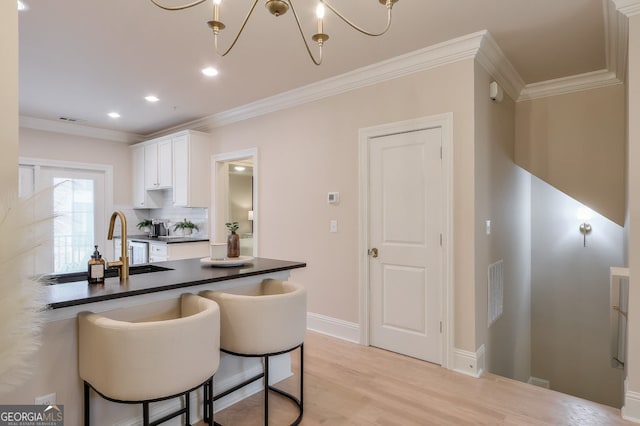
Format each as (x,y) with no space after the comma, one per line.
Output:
(233,261)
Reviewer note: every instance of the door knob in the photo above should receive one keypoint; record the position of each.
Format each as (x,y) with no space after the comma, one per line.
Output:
(373,252)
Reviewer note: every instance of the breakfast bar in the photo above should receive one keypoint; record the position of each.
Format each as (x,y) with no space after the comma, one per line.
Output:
(149,294)
(169,279)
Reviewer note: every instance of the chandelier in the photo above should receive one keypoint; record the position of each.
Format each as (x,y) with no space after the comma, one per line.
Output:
(277,8)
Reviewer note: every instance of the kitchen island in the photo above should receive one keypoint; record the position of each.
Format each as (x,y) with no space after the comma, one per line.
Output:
(142,297)
(187,275)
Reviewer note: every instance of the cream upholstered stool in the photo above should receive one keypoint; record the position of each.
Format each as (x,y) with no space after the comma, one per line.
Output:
(143,362)
(269,320)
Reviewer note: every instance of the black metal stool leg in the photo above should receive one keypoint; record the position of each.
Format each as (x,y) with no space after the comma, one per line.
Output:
(87,414)
(266,390)
(301,380)
(145,413)
(187,410)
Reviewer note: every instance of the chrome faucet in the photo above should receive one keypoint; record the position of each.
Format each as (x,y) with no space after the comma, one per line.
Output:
(123,263)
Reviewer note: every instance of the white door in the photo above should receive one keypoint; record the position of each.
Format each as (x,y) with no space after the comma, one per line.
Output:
(77,204)
(405,226)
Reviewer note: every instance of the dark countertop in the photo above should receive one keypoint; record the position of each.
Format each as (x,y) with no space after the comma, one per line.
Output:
(169,240)
(184,273)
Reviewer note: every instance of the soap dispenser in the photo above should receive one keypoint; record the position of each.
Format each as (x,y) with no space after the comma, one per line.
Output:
(96,268)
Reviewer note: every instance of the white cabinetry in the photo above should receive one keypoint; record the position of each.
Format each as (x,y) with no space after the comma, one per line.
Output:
(159,252)
(191,169)
(158,163)
(139,193)
(179,162)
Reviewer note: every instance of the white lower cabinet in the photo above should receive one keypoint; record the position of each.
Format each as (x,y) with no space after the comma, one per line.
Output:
(160,251)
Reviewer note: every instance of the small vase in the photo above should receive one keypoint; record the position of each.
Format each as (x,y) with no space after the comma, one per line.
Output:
(186,231)
(233,245)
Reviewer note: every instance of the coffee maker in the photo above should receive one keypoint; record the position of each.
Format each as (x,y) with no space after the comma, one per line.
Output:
(158,228)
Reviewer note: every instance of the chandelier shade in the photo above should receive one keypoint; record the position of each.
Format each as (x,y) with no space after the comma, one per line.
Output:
(279,8)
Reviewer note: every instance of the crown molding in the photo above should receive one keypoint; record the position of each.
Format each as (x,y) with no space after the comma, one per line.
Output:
(78,130)
(448,52)
(491,57)
(564,85)
(616,34)
(628,7)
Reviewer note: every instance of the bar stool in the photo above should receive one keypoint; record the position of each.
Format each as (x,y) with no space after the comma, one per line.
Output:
(270,320)
(144,362)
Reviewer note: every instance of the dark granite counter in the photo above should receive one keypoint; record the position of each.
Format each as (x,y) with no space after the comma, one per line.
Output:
(169,240)
(183,274)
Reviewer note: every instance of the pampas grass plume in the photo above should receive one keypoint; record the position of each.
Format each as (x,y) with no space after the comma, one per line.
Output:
(21,295)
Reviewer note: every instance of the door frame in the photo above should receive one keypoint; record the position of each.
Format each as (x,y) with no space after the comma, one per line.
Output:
(220,193)
(445,123)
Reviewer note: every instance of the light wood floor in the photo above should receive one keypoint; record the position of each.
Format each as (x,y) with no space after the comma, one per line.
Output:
(349,384)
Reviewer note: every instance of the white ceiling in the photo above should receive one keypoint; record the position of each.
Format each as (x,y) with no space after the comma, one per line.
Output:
(84,58)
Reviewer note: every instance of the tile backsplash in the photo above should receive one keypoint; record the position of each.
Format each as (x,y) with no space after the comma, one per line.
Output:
(199,216)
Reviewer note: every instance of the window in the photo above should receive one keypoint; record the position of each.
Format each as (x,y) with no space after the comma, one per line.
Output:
(78,200)
(73,223)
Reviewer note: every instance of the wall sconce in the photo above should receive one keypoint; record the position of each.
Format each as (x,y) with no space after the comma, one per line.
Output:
(584,216)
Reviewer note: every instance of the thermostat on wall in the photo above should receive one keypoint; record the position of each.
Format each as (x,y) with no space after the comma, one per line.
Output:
(333,197)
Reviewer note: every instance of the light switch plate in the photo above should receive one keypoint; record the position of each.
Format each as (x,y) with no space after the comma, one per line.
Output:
(488,227)
(333,225)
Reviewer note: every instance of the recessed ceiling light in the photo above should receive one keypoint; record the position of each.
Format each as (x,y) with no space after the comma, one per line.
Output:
(22,5)
(151,98)
(240,168)
(209,71)
(114,115)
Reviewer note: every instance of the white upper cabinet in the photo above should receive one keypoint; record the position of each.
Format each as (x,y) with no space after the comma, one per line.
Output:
(139,193)
(179,162)
(158,164)
(191,160)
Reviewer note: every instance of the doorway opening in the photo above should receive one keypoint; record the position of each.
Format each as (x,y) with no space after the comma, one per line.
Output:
(234,198)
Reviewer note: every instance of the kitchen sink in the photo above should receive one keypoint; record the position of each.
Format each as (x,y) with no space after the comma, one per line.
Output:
(109,273)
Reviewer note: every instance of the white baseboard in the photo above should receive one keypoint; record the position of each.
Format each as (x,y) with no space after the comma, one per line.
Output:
(631,408)
(469,363)
(542,383)
(333,327)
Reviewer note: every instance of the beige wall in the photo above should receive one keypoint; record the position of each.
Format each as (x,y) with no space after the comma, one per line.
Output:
(62,147)
(502,195)
(307,151)
(633,358)
(9,97)
(576,142)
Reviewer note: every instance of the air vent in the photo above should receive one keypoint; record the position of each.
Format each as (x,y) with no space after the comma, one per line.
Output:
(496,291)
(71,119)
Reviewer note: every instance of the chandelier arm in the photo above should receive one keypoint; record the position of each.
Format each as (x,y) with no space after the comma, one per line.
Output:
(306,44)
(356,27)
(235,40)
(184,6)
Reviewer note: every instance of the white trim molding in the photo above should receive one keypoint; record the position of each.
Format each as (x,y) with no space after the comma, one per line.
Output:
(340,329)
(564,85)
(448,52)
(491,57)
(78,130)
(631,408)
(628,7)
(469,363)
(616,32)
